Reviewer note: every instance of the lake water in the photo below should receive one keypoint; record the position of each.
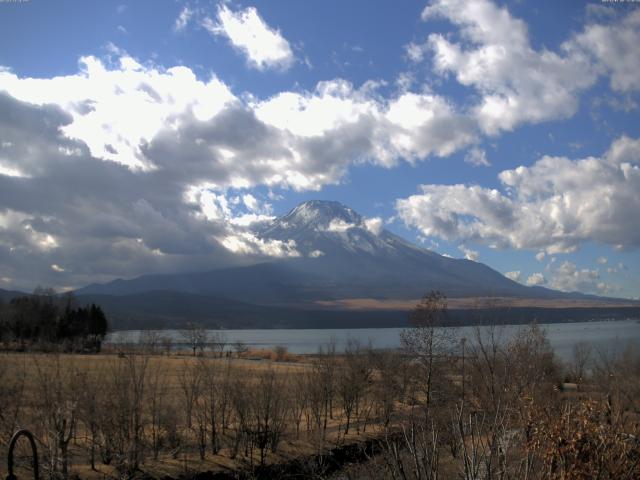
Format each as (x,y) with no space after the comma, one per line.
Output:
(611,336)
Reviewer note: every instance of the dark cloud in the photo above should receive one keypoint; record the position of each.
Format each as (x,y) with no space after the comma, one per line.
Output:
(94,218)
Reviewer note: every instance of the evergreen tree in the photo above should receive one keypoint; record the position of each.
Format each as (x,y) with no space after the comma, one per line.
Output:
(48,319)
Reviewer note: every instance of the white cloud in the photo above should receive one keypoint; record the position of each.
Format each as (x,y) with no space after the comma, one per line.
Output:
(126,167)
(247,243)
(316,253)
(602,260)
(135,129)
(338,225)
(251,202)
(427,124)
(183,19)
(374,225)
(250,220)
(75,218)
(263,46)
(11,171)
(469,254)
(333,104)
(416,52)
(146,118)
(477,157)
(554,205)
(117,112)
(516,82)
(536,279)
(356,124)
(540,256)
(515,275)
(614,46)
(217,207)
(567,277)
(617,268)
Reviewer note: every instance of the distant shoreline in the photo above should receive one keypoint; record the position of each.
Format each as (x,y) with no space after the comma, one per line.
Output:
(603,334)
(328,319)
(479,303)
(501,324)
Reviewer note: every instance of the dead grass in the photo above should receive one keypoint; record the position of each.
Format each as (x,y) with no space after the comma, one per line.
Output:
(41,365)
(474,303)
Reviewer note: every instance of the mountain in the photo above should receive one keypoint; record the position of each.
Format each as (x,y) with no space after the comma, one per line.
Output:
(341,255)
(343,260)
(356,257)
(7,295)
(167,309)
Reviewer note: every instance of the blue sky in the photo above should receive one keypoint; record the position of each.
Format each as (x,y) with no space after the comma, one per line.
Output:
(506,132)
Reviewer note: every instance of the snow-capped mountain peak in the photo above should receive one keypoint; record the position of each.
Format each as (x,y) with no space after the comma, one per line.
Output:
(329,228)
(320,215)
(342,255)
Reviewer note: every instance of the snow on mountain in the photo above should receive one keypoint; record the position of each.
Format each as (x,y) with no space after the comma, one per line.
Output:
(342,255)
(326,227)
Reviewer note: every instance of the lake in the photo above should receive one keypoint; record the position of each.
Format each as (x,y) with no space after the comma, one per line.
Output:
(604,336)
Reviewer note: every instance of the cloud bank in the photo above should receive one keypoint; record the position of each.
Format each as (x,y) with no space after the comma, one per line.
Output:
(126,167)
(516,83)
(554,205)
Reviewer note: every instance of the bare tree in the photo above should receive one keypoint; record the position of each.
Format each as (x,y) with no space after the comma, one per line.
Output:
(352,380)
(414,454)
(580,361)
(58,407)
(426,340)
(212,400)
(156,402)
(488,366)
(387,390)
(170,427)
(240,348)
(298,397)
(218,343)
(190,384)
(280,353)
(90,383)
(167,344)
(617,372)
(136,370)
(227,375)
(239,399)
(12,378)
(484,441)
(202,415)
(124,410)
(149,341)
(268,412)
(195,336)
(316,403)
(325,380)
(532,367)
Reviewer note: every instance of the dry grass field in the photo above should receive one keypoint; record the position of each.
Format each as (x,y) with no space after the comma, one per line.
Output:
(498,409)
(41,385)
